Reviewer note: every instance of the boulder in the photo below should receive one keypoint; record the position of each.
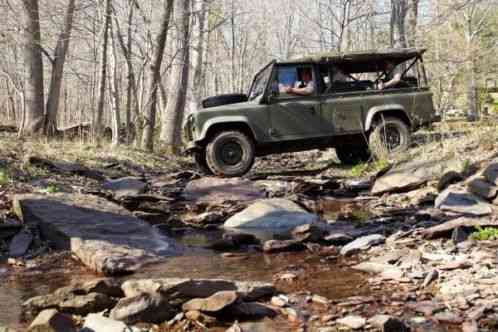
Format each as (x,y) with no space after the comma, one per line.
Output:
(388,324)
(491,173)
(483,189)
(362,243)
(143,308)
(52,321)
(448,179)
(20,244)
(213,304)
(353,322)
(179,289)
(459,201)
(413,174)
(274,246)
(80,298)
(8,231)
(218,190)
(125,187)
(271,214)
(308,233)
(99,323)
(103,235)
(249,310)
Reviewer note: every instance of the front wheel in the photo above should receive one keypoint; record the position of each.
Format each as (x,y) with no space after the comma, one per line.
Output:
(389,136)
(230,154)
(201,163)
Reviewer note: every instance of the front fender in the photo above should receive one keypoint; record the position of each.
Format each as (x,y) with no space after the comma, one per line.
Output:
(379,109)
(224,120)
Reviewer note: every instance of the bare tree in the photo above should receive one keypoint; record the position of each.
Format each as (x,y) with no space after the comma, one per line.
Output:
(56,80)
(34,112)
(150,113)
(172,120)
(399,11)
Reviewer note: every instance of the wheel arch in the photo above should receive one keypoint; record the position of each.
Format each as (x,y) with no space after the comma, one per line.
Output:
(239,124)
(394,110)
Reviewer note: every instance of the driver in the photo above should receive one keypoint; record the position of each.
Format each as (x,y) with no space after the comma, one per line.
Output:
(393,76)
(305,87)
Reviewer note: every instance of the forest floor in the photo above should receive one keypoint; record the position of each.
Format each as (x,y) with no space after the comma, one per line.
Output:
(387,245)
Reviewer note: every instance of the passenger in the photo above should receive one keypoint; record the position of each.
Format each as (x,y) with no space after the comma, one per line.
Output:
(305,87)
(339,76)
(393,77)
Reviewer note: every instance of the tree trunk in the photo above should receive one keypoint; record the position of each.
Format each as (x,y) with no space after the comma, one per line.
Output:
(113,87)
(413,23)
(150,112)
(34,91)
(198,80)
(398,20)
(172,122)
(58,71)
(98,125)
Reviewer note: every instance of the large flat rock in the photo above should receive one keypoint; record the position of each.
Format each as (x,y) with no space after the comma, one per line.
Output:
(271,214)
(216,190)
(413,174)
(104,236)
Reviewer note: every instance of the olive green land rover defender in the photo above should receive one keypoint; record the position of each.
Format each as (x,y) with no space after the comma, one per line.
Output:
(361,104)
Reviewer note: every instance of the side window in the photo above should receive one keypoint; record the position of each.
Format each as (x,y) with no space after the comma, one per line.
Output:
(294,81)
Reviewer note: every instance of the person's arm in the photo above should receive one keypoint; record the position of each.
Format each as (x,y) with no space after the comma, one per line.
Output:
(395,81)
(306,91)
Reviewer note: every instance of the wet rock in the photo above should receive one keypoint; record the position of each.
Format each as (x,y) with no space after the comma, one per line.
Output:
(20,244)
(85,304)
(265,325)
(483,189)
(125,187)
(187,289)
(412,175)
(52,321)
(459,201)
(66,301)
(445,229)
(108,286)
(448,318)
(212,304)
(8,231)
(271,214)
(104,236)
(279,301)
(144,308)
(233,241)
(217,190)
(431,276)
(353,322)
(249,310)
(372,267)
(491,173)
(198,316)
(362,243)
(99,323)
(274,246)
(426,307)
(387,323)
(470,327)
(448,179)
(459,235)
(308,233)
(338,239)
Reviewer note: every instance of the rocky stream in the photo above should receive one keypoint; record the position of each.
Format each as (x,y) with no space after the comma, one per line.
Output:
(410,248)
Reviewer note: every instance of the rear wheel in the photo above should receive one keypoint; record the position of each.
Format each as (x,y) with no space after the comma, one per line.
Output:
(352,155)
(230,154)
(389,136)
(201,163)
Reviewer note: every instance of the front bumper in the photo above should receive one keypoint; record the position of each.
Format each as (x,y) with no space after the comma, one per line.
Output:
(190,148)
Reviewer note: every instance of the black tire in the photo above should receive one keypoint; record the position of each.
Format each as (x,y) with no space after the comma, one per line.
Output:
(224,100)
(201,163)
(352,155)
(389,136)
(230,154)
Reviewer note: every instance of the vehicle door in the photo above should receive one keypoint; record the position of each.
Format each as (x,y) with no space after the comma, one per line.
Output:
(343,106)
(294,117)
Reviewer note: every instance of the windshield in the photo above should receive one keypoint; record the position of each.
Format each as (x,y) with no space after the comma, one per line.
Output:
(260,81)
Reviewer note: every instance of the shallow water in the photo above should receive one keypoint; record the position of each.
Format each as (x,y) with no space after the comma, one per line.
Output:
(326,279)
